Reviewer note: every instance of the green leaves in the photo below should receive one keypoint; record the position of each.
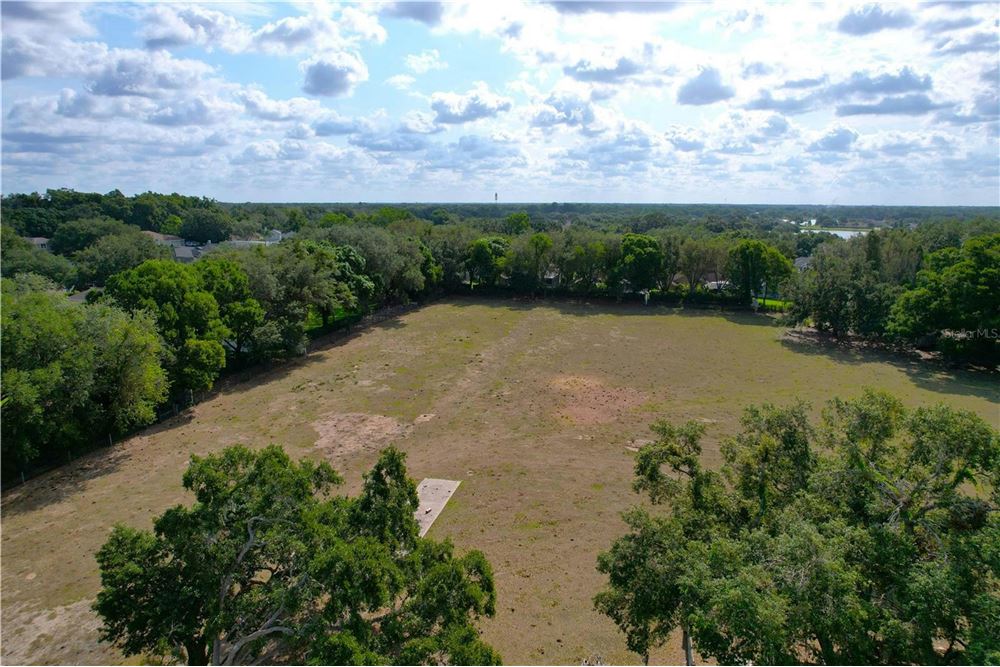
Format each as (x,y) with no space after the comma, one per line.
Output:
(72,373)
(266,563)
(866,540)
(187,316)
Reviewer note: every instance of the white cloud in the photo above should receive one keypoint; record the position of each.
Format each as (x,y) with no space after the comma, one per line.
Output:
(425,61)
(259,105)
(595,101)
(478,103)
(705,88)
(333,74)
(401,81)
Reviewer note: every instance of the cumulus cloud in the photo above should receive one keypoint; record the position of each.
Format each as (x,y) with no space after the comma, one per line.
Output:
(320,29)
(980,42)
(705,88)
(401,81)
(418,122)
(756,69)
(563,108)
(332,123)
(947,25)
(453,108)
(806,82)
(836,140)
(586,70)
(904,81)
(611,7)
(333,74)
(910,105)
(684,139)
(131,72)
(628,149)
(197,111)
(81,104)
(425,61)
(424,12)
(257,104)
(267,150)
(172,25)
(864,85)
(474,152)
(390,142)
(872,18)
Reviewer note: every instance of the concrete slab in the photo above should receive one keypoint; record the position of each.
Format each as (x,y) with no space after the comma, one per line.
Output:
(433,495)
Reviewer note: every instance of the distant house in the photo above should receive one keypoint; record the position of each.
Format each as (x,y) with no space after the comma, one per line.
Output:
(551,278)
(273,237)
(803,263)
(39,242)
(186,254)
(164,239)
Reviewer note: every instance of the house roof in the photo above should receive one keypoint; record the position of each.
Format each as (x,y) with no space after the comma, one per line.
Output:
(186,252)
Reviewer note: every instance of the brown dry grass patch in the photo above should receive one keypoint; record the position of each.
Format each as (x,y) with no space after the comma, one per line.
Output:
(531,407)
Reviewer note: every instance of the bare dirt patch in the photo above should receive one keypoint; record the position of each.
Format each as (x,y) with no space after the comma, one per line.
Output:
(588,400)
(541,493)
(342,435)
(33,633)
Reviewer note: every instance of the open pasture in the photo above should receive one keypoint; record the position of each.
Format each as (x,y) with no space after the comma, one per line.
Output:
(535,408)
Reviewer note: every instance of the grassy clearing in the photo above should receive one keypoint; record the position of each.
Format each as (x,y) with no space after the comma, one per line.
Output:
(532,407)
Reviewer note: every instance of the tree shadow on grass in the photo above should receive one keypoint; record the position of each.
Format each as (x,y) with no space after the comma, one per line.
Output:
(927,373)
(600,306)
(64,481)
(931,374)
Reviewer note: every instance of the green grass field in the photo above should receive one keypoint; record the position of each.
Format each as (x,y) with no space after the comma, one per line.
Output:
(532,406)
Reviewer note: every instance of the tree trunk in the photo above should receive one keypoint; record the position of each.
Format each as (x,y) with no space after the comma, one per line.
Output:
(197,652)
(686,642)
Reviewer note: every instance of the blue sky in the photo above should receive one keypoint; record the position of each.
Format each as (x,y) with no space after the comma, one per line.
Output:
(573,101)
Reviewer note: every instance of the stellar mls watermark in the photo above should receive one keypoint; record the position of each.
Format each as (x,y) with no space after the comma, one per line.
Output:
(972,334)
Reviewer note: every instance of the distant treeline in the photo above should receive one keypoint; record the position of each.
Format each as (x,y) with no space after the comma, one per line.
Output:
(155,330)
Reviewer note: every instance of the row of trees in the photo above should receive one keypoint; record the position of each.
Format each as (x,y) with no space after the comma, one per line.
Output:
(883,286)
(234,307)
(72,371)
(226,309)
(870,538)
(45,215)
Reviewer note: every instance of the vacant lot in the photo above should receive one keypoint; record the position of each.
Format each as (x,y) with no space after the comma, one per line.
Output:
(532,407)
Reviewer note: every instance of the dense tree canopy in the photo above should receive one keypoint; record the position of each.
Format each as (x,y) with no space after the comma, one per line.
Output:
(79,234)
(187,316)
(18,255)
(868,539)
(115,253)
(756,268)
(268,563)
(956,297)
(72,373)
